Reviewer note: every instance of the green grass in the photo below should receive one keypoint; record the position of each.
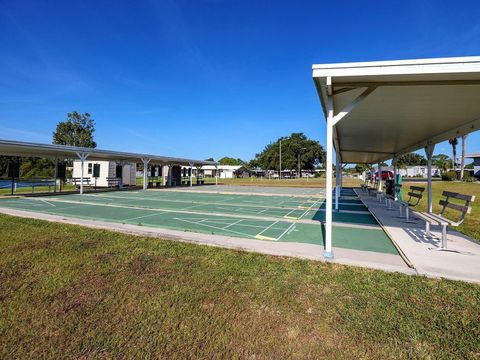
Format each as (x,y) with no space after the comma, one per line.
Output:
(73,292)
(38,189)
(471,226)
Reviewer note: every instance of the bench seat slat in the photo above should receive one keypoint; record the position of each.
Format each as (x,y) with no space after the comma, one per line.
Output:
(435,219)
(415,195)
(417,188)
(461,208)
(459,196)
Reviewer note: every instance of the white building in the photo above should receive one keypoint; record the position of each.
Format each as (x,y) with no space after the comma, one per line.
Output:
(476,163)
(411,170)
(224,171)
(109,170)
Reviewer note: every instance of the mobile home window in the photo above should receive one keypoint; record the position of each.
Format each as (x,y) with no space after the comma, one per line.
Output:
(90,166)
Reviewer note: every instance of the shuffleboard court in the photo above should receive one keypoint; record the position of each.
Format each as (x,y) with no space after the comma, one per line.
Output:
(286,207)
(257,189)
(282,219)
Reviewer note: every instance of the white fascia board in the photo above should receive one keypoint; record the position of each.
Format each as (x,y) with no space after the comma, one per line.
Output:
(399,67)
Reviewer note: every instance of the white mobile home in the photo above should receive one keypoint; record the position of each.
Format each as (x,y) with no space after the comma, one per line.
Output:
(108,171)
(225,171)
(476,164)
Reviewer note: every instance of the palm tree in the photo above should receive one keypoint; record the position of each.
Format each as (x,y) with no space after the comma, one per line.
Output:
(462,164)
(454,142)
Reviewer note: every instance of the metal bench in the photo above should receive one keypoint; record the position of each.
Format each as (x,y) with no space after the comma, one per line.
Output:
(76,181)
(114,182)
(390,199)
(414,196)
(440,219)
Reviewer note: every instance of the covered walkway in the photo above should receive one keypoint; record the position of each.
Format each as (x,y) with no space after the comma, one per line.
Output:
(61,152)
(422,252)
(377,111)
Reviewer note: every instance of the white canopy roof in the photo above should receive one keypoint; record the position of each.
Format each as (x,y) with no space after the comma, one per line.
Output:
(386,108)
(18,148)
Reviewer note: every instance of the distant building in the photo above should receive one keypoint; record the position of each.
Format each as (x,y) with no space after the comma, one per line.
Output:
(225,171)
(476,164)
(420,171)
(108,170)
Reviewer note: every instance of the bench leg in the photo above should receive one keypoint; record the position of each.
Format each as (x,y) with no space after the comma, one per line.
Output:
(427,228)
(444,237)
(400,210)
(407,213)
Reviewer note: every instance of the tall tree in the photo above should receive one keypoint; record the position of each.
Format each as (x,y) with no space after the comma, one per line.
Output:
(411,159)
(230,161)
(77,130)
(454,142)
(442,161)
(360,168)
(295,148)
(462,163)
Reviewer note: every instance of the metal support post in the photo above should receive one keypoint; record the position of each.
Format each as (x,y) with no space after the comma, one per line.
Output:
(191,175)
(338,170)
(56,176)
(145,162)
(82,156)
(379,177)
(329,174)
(429,152)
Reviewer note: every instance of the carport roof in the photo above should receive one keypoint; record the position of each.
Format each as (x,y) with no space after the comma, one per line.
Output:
(386,108)
(18,148)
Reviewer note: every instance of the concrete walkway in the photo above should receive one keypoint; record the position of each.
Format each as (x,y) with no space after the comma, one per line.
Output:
(462,262)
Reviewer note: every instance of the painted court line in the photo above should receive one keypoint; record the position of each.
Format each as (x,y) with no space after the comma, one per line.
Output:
(145,216)
(273,224)
(240,203)
(214,227)
(47,202)
(290,227)
(234,223)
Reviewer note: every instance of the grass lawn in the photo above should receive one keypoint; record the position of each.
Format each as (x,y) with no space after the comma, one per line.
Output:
(38,189)
(73,292)
(471,226)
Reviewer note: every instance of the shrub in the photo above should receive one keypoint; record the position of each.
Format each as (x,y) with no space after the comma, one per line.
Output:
(468,178)
(449,176)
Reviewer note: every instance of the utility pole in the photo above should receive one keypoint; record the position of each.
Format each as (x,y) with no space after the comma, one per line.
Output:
(280,171)
(298,170)
(298,157)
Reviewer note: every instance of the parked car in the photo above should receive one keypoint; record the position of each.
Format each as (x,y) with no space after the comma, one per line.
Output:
(385,175)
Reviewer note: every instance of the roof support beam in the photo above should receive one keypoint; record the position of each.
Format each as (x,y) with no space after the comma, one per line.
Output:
(438,138)
(347,109)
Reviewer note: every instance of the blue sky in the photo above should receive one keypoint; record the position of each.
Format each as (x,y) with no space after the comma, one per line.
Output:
(203,78)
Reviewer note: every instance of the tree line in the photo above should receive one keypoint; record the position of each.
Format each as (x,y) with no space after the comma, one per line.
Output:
(77,130)
(292,152)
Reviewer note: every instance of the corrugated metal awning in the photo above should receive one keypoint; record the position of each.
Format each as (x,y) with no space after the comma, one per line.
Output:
(18,148)
(392,107)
